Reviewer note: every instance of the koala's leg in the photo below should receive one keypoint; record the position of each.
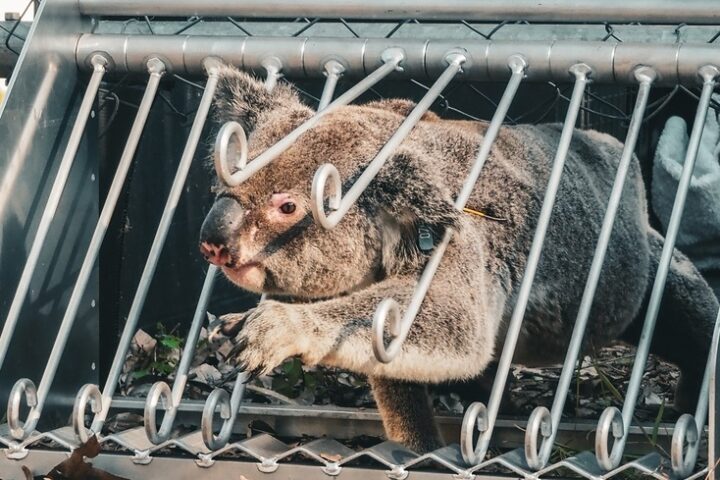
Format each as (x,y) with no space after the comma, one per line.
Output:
(406,413)
(683,332)
(478,389)
(451,339)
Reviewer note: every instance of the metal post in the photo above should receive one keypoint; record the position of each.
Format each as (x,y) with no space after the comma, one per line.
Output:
(17,429)
(340,204)
(612,420)
(401,327)
(477,415)
(333,71)
(543,423)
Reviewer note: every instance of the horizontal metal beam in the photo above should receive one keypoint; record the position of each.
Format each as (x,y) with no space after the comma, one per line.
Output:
(42,461)
(487,60)
(347,423)
(645,11)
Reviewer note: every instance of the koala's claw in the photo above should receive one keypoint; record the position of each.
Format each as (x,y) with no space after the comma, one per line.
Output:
(254,374)
(263,342)
(242,367)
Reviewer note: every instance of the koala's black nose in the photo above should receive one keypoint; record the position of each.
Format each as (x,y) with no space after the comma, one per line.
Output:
(219,228)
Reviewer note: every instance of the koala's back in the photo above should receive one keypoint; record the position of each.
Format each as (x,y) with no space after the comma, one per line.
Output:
(512,186)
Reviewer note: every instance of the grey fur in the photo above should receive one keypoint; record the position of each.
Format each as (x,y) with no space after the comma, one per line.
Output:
(337,277)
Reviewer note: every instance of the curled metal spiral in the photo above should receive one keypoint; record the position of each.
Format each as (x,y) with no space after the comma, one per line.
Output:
(684,445)
(317,193)
(88,394)
(229,405)
(23,389)
(388,308)
(392,58)
(159,392)
(538,438)
(475,419)
(340,204)
(231,152)
(611,423)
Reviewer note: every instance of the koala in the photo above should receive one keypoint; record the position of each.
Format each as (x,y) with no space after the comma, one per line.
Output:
(323,286)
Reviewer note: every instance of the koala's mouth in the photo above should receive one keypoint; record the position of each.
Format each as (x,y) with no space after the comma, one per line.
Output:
(250,275)
(240,268)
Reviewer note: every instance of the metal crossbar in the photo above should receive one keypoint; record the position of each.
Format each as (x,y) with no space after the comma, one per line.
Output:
(486,60)
(372,60)
(645,11)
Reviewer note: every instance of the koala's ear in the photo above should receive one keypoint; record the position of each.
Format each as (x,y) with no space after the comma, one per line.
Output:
(414,197)
(242,98)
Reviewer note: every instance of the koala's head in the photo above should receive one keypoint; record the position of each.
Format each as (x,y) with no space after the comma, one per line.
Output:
(262,233)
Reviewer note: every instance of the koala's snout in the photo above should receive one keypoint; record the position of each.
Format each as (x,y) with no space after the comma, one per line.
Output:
(218,230)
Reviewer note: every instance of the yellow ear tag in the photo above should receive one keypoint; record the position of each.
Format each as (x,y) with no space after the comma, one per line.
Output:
(478,213)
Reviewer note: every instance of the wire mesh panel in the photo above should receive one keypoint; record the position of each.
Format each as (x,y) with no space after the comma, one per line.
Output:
(147,76)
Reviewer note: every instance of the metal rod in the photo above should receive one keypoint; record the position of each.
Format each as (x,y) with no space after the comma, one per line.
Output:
(611,420)
(211,65)
(401,327)
(99,67)
(625,11)
(156,69)
(160,390)
(340,204)
(477,415)
(392,58)
(273,69)
(219,397)
(18,429)
(90,393)
(333,71)
(685,444)
(543,423)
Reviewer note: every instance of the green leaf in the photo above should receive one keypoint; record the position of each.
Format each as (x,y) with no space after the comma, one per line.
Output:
(280,385)
(164,368)
(170,341)
(141,373)
(656,426)
(310,381)
(293,371)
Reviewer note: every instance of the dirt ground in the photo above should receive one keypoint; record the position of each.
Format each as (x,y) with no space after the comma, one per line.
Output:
(597,383)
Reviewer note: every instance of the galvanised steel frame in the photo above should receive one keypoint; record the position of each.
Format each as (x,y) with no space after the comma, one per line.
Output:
(40,106)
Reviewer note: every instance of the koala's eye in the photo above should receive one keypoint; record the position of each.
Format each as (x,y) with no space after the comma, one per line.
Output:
(287,208)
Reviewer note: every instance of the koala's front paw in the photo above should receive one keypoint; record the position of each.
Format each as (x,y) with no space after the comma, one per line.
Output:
(270,334)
